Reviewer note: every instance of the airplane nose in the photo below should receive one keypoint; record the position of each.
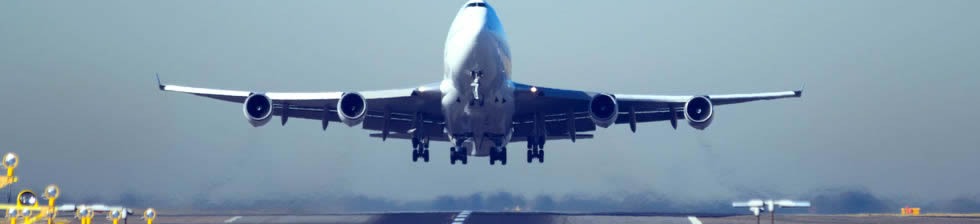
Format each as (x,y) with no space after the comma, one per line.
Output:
(475,20)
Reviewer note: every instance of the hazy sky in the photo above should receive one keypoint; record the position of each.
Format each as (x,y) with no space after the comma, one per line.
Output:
(890,101)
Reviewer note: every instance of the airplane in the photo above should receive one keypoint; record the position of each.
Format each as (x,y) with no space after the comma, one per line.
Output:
(98,209)
(477,106)
(757,206)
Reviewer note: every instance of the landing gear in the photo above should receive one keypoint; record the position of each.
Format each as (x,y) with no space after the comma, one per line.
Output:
(534,152)
(498,153)
(420,153)
(459,154)
(421,149)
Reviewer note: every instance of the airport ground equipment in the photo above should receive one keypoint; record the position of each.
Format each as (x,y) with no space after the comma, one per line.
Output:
(85,214)
(114,215)
(10,162)
(27,205)
(910,211)
(149,215)
(757,206)
(29,208)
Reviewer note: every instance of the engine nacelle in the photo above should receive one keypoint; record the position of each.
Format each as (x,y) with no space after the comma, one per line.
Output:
(699,112)
(604,110)
(258,109)
(351,108)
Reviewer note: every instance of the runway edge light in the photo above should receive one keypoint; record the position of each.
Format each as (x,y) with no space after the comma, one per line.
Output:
(149,215)
(10,162)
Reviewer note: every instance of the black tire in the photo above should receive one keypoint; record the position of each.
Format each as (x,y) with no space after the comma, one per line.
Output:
(541,156)
(462,156)
(493,156)
(503,156)
(415,155)
(529,156)
(452,155)
(425,155)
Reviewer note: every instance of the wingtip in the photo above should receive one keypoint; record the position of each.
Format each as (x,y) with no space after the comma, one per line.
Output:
(159,84)
(799,93)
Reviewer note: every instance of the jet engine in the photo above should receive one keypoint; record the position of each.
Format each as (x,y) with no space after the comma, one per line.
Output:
(258,109)
(351,108)
(699,112)
(604,109)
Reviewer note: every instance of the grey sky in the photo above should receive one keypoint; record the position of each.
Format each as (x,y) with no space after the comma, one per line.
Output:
(889,104)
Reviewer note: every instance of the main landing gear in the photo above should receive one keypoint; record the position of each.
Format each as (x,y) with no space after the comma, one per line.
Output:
(498,153)
(457,153)
(421,149)
(535,149)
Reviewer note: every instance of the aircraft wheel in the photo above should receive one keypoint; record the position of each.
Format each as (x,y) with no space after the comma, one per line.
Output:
(503,156)
(541,156)
(463,156)
(425,155)
(541,141)
(493,155)
(529,156)
(452,155)
(415,155)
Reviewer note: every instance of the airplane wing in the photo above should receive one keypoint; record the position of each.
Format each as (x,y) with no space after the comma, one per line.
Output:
(752,203)
(792,204)
(560,112)
(444,138)
(400,105)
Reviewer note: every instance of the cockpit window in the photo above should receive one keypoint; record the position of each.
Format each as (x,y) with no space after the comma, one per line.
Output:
(477,4)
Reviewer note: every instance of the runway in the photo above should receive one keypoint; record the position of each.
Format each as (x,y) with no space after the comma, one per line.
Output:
(476,217)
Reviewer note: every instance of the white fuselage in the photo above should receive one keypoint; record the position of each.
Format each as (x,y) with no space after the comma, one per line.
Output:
(478,96)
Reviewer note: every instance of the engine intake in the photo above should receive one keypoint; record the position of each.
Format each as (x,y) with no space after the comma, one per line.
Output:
(604,110)
(699,112)
(351,108)
(258,109)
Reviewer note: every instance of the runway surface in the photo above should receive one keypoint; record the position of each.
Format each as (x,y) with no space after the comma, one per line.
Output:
(475,217)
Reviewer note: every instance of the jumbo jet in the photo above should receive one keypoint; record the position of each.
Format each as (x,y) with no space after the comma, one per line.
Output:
(477,107)
(757,206)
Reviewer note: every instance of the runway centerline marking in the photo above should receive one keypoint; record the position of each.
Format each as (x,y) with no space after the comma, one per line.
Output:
(461,217)
(694,220)
(232,219)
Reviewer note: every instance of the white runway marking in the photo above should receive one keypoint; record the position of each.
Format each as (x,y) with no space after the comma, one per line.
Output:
(694,220)
(461,217)
(232,219)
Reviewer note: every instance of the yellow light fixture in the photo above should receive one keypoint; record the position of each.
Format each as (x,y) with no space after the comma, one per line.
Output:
(149,215)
